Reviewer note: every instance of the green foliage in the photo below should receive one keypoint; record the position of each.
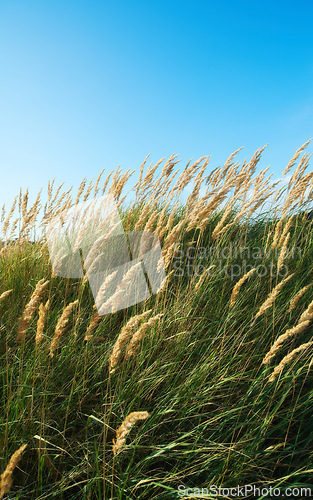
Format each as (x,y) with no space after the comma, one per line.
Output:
(214,417)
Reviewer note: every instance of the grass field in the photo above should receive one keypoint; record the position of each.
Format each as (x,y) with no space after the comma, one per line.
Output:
(216,388)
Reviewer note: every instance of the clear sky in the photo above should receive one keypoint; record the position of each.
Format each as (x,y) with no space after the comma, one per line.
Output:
(86,85)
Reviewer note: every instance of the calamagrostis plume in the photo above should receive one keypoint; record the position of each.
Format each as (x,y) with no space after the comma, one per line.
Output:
(61,325)
(238,286)
(41,321)
(6,477)
(30,309)
(302,324)
(296,298)
(5,294)
(138,336)
(272,296)
(95,318)
(124,337)
(125,427)
(279,368)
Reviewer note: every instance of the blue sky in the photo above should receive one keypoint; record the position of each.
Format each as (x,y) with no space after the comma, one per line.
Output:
(91,85)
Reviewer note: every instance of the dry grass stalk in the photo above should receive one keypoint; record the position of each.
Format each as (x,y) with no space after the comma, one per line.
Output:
(295,157)
(272,296)
(60,327)
(101,296)
(151,221)
(302,324)
(279,368)
(125,428)
(97,182)
(88,191)
(95,318)
(5,294)
(139,335)
(282,253)
(238,285)
(278,227)
(285,231)
(203,276)
(106,182)
(219,226)
(30,309)
(296,298)
(7,220)
(24,204)
(144,213)
(80,190)
(41,321)
(6,477)
(113,303)
(124,337)
(3,213)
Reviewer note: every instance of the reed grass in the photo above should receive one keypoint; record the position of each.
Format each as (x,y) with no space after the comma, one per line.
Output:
(195,355)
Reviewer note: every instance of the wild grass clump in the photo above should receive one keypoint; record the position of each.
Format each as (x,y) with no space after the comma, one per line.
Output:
(216,362)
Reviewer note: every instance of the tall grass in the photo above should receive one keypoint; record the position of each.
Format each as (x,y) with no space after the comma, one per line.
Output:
(219,359)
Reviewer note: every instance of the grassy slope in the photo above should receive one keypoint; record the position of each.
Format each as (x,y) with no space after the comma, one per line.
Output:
(215,418)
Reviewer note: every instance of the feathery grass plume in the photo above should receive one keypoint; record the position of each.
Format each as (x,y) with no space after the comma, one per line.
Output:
(139,335)
(24,204)
(125,427)
(277,233)
(151,221)
(115,180)
(299,328)
(120,185)
(7,220)
(148,178)
(13,228)
(6,477)
(282,253)
(5,294)
(160,224)
(279,368)
(95,318)
(146,209)
(41,321)
(101,295)
(97,182)
(296,298)
(88,191)
(80,190)
(170,220)
(238,286)
(106,182)
(114,301)
(3,213)
(295,157)
(302,324)
(124,337)
(220,224)
(192,198)
(272,296)
(285,231)
(30,309)
(203,276)
(61,325)
(142,166)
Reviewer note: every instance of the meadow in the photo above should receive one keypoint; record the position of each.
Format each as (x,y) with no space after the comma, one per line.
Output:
(207,382)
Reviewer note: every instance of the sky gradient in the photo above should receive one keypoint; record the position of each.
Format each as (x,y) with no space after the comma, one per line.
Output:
(91,85)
